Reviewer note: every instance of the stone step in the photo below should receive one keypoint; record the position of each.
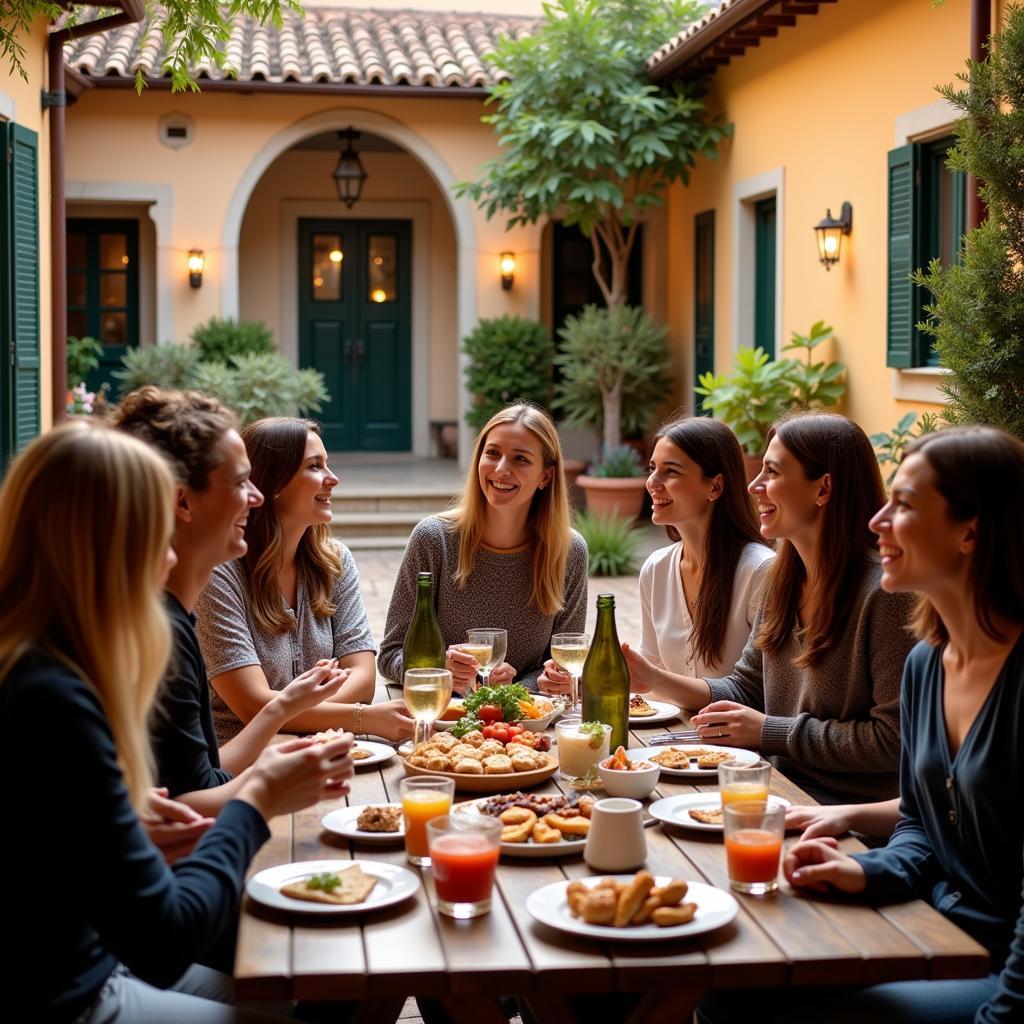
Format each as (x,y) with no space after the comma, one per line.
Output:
(368,502)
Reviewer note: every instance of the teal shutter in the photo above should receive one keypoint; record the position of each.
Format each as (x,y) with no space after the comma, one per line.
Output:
(764,275)
(904,215)
(703,298)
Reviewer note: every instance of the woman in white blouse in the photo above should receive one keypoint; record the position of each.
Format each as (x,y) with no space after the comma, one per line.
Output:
(698,595)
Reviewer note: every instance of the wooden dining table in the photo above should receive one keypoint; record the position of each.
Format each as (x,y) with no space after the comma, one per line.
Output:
(382,957)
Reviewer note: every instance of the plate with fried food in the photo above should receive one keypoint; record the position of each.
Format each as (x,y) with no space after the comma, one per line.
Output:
(699,811)
(650,712)
(692,761)
(537,824)
(632,908)
(376,824)
(480,765)
(332,887)
(364,753)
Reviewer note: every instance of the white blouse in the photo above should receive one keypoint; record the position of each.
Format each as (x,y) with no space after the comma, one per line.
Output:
(665,620)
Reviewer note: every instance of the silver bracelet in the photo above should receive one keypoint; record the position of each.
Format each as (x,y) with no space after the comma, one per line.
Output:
(358,729)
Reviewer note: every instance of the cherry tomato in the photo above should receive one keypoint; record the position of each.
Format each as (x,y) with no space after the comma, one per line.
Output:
(490,713)
(515,730)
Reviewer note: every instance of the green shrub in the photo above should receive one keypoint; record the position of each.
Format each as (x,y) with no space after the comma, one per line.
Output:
(889,444)
(166,366)
(509,359)
(218,340)
(619,462)
(611,543)
(83,357)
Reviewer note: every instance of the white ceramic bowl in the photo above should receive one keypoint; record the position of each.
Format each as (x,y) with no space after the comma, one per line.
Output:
(540,724)
(636,784)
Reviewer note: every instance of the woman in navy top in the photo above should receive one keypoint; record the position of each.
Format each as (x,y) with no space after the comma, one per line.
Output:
(100,923)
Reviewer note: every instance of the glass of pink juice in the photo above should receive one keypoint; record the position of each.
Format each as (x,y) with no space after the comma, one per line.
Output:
(464,854)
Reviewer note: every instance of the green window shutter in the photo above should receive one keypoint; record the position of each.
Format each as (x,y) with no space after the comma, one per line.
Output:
(704,298)
(903,300)
(764,275)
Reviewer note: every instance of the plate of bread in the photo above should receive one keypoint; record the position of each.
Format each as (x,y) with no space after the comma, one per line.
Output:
(692,760)
(699,811)
(377,824)
(650,712)
(537,824)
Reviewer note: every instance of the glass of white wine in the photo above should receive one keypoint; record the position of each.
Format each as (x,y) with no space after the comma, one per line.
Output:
(569,652)
(426,692)
(488,646)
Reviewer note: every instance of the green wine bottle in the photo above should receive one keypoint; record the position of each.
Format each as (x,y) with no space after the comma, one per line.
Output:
(424,645)
(605,679)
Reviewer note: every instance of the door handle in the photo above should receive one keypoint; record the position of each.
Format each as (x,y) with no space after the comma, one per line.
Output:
(346,353)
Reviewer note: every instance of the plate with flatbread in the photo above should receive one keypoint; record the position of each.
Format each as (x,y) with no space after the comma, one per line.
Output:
(309,887)
(365,753)
(650,712)
(699,811)
(375,824)
(692,760)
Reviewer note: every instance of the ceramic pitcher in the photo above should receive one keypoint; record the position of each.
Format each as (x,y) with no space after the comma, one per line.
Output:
(616,841)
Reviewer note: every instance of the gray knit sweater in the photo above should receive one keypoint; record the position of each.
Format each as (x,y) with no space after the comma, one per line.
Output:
(834,728)
(496,594)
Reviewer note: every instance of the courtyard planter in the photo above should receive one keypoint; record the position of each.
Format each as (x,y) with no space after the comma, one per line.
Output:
(622,497)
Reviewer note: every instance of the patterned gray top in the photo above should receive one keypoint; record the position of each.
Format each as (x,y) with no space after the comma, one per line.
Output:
(230,637)
(497,594)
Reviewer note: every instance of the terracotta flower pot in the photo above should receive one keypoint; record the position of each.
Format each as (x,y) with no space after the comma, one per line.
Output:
(617,496)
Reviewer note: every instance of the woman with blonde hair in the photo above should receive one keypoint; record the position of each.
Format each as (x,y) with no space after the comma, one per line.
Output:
(506,556)
(103,924)
(292,602)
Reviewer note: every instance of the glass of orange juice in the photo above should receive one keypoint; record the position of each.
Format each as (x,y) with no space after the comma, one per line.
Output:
(423,797)
(464,853)
(740,782)
(753,846)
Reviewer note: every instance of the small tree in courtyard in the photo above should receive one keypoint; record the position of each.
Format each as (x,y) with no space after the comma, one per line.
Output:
(977,312)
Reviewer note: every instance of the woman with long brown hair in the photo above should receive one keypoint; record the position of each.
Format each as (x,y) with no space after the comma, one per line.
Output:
(293,600)
(698,596)
(505,556)
(817,687)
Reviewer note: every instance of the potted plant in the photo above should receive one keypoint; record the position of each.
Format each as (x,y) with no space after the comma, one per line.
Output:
(615,486)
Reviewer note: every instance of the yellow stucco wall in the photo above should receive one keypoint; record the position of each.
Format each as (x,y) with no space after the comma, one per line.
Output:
(819,103)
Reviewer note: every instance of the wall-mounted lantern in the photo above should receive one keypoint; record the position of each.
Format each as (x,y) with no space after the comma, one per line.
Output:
(349,174)
(829,233)
(508,269)
(196,265)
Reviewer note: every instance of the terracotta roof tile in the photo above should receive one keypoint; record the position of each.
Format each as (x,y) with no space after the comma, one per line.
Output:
(351,46)
(717,7)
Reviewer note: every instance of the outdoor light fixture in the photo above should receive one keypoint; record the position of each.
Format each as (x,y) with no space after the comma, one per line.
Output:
(508,269)
(350,174)
(829,233)
(196,264)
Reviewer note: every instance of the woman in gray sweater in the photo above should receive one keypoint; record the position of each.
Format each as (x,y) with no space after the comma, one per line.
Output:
(504,557)
(817,687)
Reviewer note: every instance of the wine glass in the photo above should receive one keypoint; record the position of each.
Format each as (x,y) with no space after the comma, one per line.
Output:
(426,692)
(569,652)
(488,646)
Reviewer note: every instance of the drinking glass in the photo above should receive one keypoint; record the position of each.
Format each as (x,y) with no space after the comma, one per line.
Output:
(753,846)
(740,782)
(426,692)
(569,652)
(496,643)
(424,797)
(464,853)
(579,752)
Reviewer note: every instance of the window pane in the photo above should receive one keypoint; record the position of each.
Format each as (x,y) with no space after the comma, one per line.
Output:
(76,249)
(113,252)
(328,260)
(114,290)
(76,325)
(76,290)
(382,273)
(114,328)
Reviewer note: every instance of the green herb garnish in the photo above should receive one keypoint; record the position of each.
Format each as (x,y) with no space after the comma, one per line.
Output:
(505,697)
(327,881)
(466,724)
(595,730)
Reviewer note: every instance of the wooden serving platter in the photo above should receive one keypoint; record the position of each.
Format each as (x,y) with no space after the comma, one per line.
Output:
(506,783)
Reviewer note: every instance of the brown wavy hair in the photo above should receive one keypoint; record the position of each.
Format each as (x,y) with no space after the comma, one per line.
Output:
(980,472)
(825,443)
(713,446)
(548,521)
(276,449)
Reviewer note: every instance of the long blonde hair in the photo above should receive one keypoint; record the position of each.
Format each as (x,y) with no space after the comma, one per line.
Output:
(86,515)
(549,520)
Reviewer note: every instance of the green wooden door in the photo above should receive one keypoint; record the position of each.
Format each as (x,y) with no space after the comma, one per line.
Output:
(764,275)
(355,327)
(704,298)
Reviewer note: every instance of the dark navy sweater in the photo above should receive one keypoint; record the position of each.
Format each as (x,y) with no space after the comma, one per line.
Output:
(84,886)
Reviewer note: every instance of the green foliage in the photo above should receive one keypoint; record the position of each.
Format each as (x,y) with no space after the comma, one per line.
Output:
(509,359)
(615,371)
(611,543)
(815,384)
(584,134)
(889,444)
(218,340)
(619,462)
(83,357)
(976,316)
(166,366)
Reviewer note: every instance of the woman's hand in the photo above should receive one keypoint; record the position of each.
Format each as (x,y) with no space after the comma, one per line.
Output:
(815,821)
(309,689)
(501,675)
(641,671)
(390,719)
(173,827)
(463,667)
(729,724)
(554,681)
(817,864)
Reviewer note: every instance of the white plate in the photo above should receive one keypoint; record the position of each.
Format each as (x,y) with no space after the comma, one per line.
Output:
(394,884)
(566,848)
(714,909)
(379,753)
(662,713)
(342,822)
(674,810)
(707,774)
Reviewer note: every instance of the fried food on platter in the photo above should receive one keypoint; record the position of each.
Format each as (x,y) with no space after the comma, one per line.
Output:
(635,902)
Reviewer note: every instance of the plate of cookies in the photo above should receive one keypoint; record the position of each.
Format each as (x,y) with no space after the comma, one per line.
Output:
(692,762)
(699,811)
(478,765)
(364,752)
(632,908)
(377,824)
(650,712)
(537,824)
